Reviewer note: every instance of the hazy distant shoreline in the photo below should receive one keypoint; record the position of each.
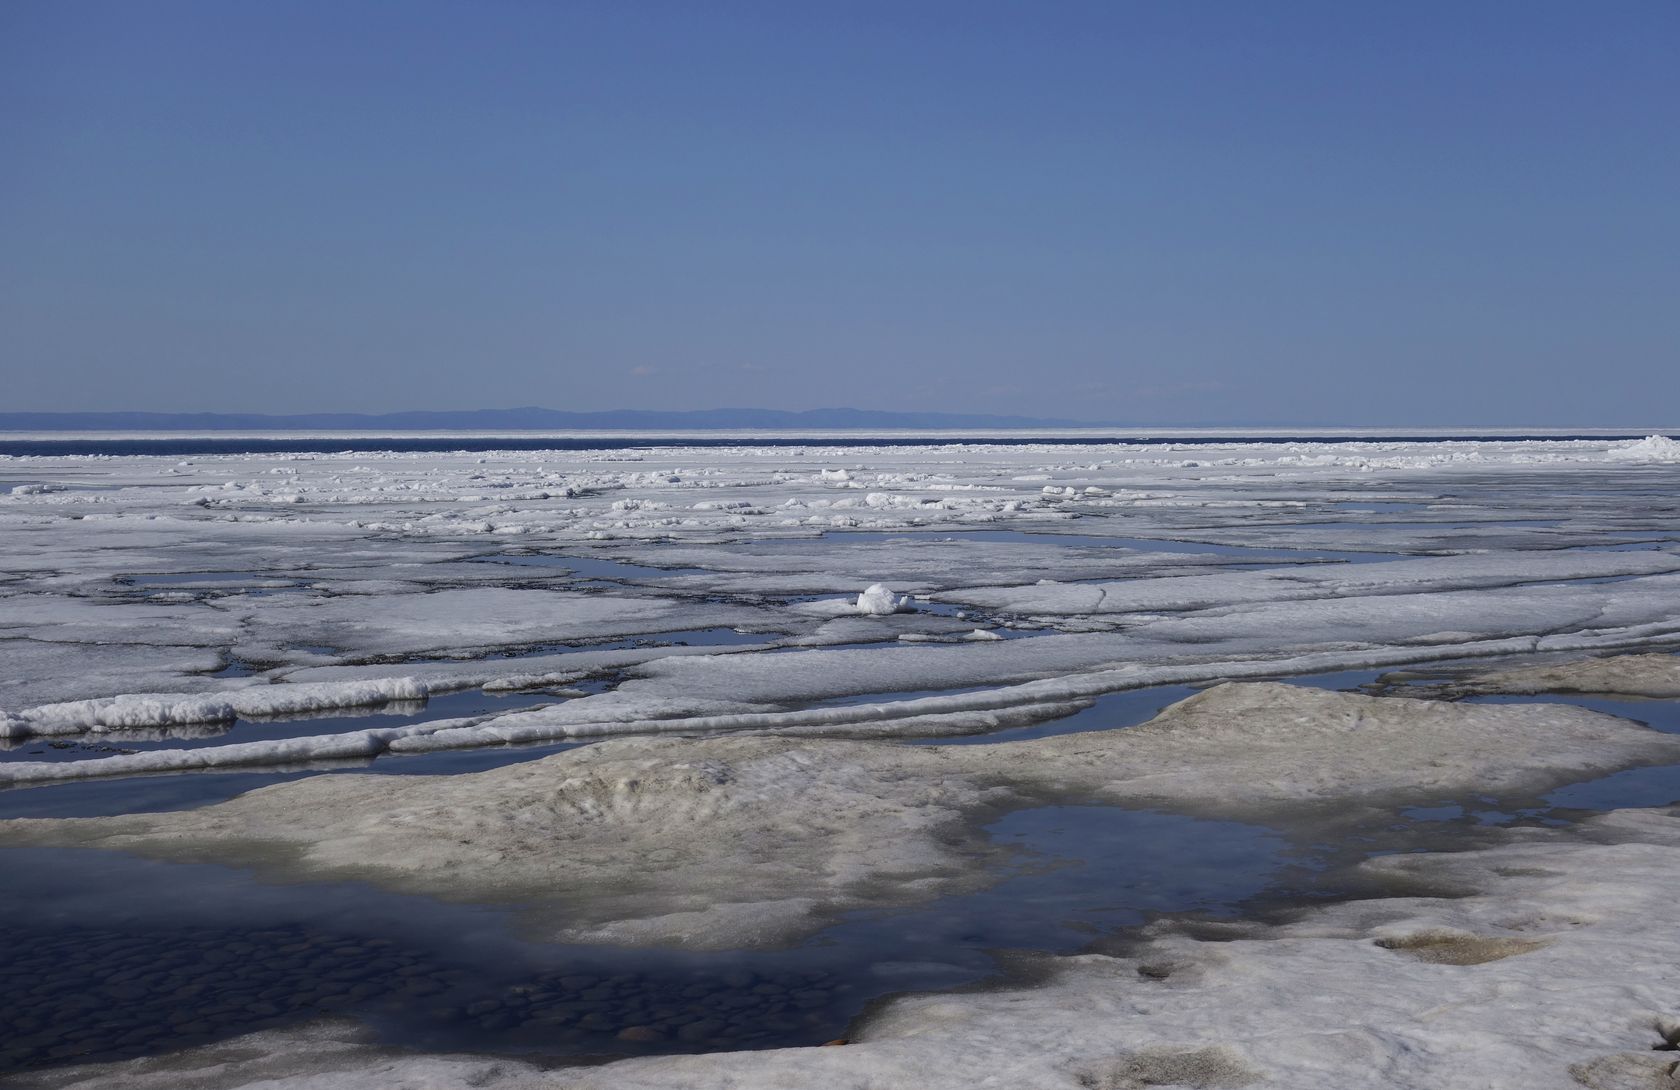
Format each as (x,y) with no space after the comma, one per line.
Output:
(138,442)
(815,423)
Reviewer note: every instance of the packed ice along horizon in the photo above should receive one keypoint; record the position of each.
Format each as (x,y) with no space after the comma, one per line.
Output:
(163,614)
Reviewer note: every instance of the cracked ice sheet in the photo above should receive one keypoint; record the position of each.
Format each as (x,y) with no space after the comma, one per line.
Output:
(1365,629)
(76,644)
(919,563)
(1417,576)
(690,693)
(40,673)
(479,618)
(389,523)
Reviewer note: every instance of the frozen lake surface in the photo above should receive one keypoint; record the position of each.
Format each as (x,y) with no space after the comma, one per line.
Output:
(184,626)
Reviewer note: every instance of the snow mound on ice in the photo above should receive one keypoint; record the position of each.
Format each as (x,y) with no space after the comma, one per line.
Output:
(879,601)
(1652,448)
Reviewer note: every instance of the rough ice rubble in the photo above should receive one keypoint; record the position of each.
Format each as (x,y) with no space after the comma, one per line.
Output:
(1652,448)
(1548,975)
(878,600)
(759,839)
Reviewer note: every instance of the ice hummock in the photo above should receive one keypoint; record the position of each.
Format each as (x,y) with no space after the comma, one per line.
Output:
(878,600)
(1652,448)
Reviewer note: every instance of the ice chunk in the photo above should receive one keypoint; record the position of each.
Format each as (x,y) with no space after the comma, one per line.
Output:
(1652,448)
(168,709)
(879,601)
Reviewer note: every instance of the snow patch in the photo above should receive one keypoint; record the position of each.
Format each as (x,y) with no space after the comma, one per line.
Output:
(880,601)
(1652,448)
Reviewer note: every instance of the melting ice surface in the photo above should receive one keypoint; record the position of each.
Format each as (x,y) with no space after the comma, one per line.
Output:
(196,952)
(660,579)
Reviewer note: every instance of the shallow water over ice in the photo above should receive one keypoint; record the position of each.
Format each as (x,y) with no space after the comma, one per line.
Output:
(1654,785)
(195,952)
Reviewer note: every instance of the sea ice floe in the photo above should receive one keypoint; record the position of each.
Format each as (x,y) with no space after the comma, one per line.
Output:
(759,839)
(120,585)
(337,578)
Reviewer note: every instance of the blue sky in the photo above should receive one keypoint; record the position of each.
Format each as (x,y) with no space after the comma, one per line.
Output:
(1170,212)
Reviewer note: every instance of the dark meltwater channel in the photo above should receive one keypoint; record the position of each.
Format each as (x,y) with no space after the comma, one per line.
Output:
(194,952)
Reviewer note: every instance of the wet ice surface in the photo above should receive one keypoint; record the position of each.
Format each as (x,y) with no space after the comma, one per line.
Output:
(1653,786)
(196,951)
(424,974)
(677,584)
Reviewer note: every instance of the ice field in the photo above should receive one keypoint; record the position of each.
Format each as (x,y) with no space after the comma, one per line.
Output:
(1063,764)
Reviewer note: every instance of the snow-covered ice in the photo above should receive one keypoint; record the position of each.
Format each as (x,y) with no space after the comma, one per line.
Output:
(750,782)
(144,591)
(1652,448)
(878,600)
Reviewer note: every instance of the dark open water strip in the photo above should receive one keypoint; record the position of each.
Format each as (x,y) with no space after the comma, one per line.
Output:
(174,446)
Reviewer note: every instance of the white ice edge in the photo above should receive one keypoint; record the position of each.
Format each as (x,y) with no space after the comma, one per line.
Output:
(166,709)
(1014,705)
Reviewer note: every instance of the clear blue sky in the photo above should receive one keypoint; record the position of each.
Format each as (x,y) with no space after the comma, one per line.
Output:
(1343,212)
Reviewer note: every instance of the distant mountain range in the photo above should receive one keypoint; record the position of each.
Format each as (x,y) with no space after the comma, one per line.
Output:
(529,419)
